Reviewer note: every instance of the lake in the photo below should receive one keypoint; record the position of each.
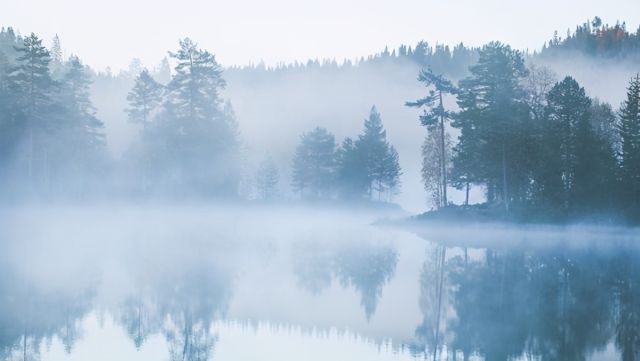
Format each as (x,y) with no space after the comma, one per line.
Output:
(267,283)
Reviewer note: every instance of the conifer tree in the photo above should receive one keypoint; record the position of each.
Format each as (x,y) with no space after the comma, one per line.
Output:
(390,183)
(351,174)
(629,129)
(568,112)
(434,118)
(579,166)
(314,164)
(76,98)
(194,91)
(78,152)
(192,144)
(143,99)
(31,85)
(57,57)
(373,149)
(163,72)
(56,50)
(494,122)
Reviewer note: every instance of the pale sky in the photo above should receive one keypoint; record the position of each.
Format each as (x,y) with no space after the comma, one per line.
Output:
(111,33)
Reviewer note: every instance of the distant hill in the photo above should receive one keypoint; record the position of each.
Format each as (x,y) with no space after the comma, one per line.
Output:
(596,39)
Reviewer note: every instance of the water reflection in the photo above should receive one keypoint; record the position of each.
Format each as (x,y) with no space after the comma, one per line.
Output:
(549,305)
(31,316)
(365,267)
(434,297)
(383,288)
(180,301)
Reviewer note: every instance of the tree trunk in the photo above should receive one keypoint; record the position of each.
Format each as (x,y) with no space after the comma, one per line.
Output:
(466,197)
(505,191)
(443,158)
(30,158)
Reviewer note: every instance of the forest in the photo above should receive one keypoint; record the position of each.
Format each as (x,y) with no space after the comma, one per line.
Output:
(496,120)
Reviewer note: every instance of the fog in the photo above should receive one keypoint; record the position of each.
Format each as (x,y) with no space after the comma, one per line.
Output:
(423,201)
(274,107)
(201,281)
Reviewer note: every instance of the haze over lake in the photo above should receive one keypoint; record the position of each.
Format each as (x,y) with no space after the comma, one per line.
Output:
(207,283)
(319,180)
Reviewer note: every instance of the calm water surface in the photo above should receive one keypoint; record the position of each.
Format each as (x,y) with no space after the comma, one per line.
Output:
(270,284)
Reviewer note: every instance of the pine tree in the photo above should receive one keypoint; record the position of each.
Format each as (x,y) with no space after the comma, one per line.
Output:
(629,129)
(390,183)
(368,164)
(373,148)
(80,145)
(605,124)
(434,118)
(194,91)
(56,50)
(163,72)
(57,58)
(314,164)
(351,171)
(77,98)
(143,99)
(31,84)
(494,115)
(191,147)
(578,163)
(8,127)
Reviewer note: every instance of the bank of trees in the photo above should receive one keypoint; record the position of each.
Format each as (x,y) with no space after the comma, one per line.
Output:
(367,167)
(189,144)
(532,141)
(51,143)
(597,39)
(560,153)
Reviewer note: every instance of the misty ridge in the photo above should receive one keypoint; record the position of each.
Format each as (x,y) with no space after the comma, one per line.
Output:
(536,134)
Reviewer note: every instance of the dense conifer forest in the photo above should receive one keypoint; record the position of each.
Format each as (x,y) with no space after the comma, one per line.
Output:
(496,120)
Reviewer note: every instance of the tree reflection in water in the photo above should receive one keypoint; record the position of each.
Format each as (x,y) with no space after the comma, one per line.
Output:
(31,315)
(549,304)
(365,267)
(555,304)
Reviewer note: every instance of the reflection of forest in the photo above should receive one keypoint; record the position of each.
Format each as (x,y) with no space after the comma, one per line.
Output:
(547,305)
(31,316)
(181,303)
(366,268)
(552,304)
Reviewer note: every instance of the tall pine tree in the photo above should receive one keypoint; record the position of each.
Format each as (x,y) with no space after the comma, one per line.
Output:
(629,128)
(314,164)
(493,119)
(31,85)
(373,149)
(434,118)
(144,98)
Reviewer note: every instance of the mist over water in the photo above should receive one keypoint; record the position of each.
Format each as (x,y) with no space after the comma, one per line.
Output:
(425,202)
(213,282)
